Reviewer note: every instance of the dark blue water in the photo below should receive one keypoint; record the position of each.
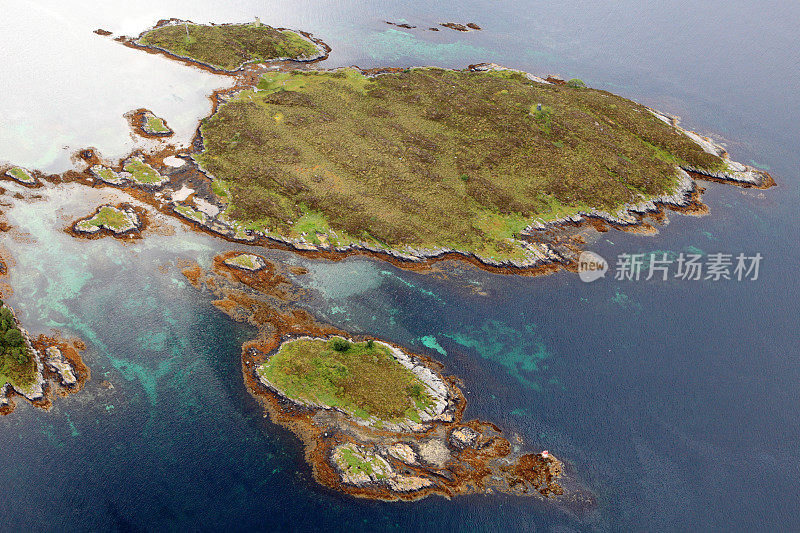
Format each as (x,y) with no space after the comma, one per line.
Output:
(675,402)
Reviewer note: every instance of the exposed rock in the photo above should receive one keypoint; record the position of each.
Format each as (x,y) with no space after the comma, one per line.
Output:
(359,466)
(249,262)
(463,437)
(403,452)
(460,27)
(109,175)
(404,483)
(435,452)
(55,361)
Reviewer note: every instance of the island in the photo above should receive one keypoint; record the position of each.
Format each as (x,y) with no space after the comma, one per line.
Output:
(119,221)
(423,162)
(249,262)
(376,420)
(386,425)
(228,47)
(21,175)
(134,170)
(145,123)
(469,26)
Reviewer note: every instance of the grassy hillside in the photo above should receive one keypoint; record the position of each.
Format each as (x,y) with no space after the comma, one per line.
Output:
(433,158)
(362,378)
(228,46)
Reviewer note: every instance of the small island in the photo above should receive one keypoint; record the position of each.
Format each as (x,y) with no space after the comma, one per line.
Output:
(377,421)
(369,381)
(123,220)
(249,262)
(384,424)
(228,47)
(134,171)
(469,26)
(145,123)
(22,176)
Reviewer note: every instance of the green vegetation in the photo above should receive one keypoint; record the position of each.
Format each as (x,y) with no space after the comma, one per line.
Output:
(107,174)
(229,46)
(108,217)
(576,83)
(434,158)
(355,462)
(156,125)
(190,213)
(143,173)
(246,261)
(360,378)
(21,175)
(17,365)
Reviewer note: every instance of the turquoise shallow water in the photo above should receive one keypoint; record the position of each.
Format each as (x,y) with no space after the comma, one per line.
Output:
(674,401)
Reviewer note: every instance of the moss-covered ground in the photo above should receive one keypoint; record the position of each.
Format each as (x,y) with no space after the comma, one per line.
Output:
(142,173)
(434,158)
(20,174)
(108,217)
(354,462)
(362,379)
(228,46)
(191,213)
(107,174)
(247,261)
(156,124)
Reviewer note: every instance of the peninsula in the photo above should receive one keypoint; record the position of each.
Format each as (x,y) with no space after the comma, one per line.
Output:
(33,369)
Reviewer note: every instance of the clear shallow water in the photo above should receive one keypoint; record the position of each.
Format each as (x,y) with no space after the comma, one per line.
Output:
(676,401)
